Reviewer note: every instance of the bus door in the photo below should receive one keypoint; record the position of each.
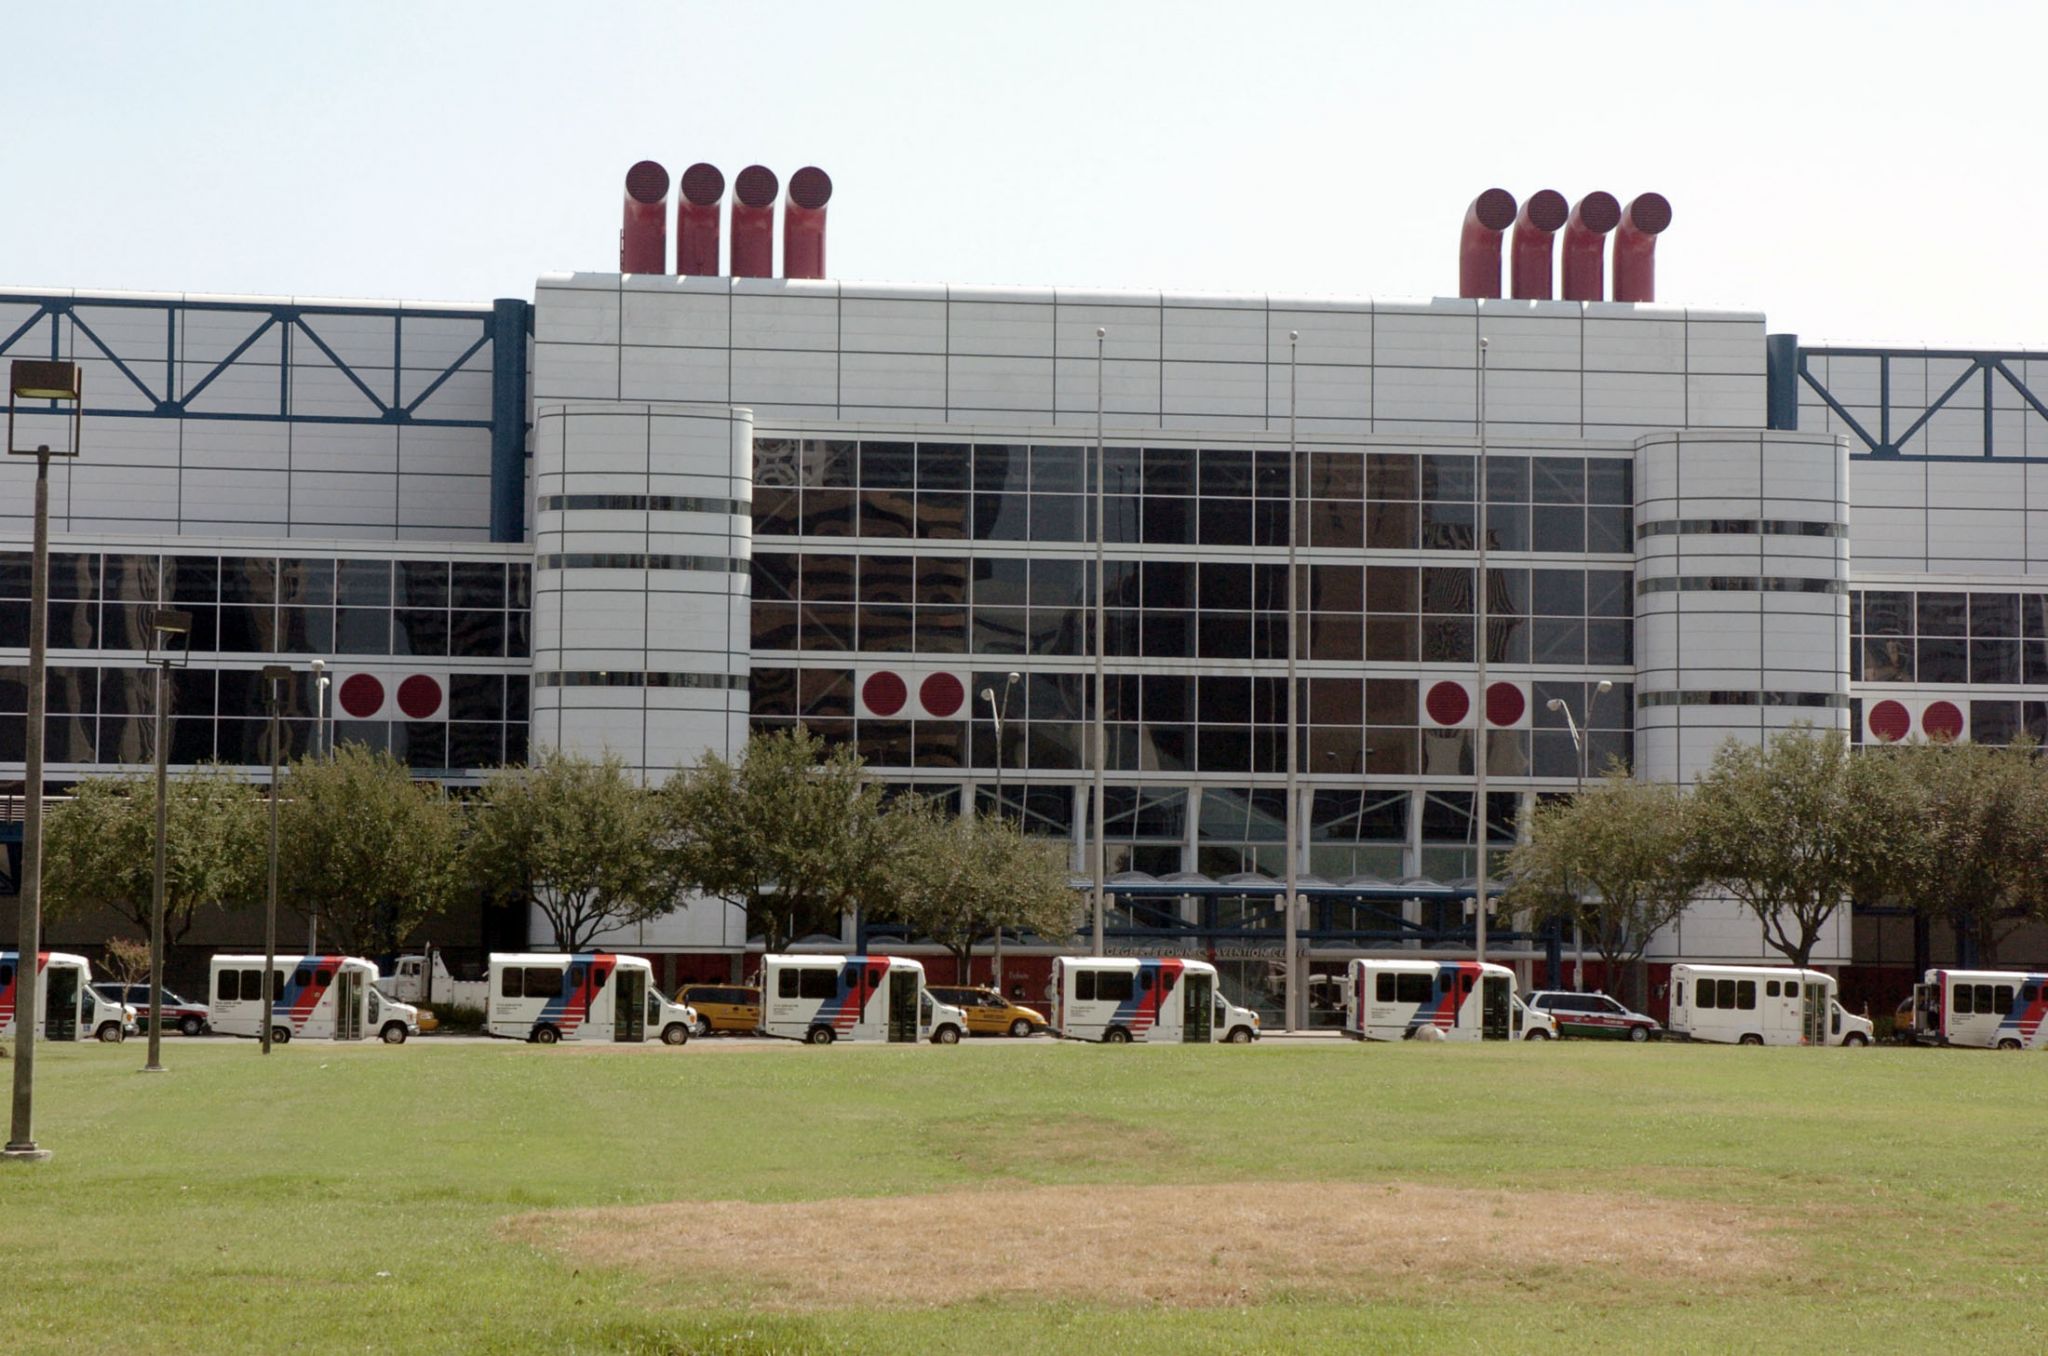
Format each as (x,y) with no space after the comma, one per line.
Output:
(1496,1010)
(903,990)
(1197,1008)
(1813,1023)
(60,1002)
(629,1004)
(348,1004)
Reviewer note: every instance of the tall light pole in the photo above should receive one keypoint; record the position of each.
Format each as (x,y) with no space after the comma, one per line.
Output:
(1101,617)
(273,676)
(319,667)
(170,639)
(54,381)
(1293,876)
(1479,738)
(1579,743)
(997,710)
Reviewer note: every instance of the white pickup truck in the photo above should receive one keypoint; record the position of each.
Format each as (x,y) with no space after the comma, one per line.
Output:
(425,979)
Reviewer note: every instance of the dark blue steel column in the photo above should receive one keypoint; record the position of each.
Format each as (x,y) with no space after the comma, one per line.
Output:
(511,318)
(1781,381)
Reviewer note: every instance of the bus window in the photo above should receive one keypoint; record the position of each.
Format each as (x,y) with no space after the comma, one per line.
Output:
(1113,986)
(785,984)
(1960,1003)
(1084,987)
(1771,988)
(1678,994)
(508,985)
(2001,999)
(1385,986)
(1745,994)
(1984,1003)
(227,988)
(817,982)
(1412,988)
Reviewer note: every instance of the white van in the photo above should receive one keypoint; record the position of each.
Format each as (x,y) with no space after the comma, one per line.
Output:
(318,997)
(585,996)
(1396,1000)
(72,1010)
(1760,1005)
(1164,999)
(1988,1009)
(822,999)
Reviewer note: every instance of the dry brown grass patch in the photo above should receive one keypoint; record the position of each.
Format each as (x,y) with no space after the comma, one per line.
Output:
(1184,1245)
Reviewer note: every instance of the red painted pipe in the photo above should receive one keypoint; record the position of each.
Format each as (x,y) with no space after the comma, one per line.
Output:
(1635,247)
(1479,245)
(643,241)
(803,223)
(1537,226)
(702,189)
(753,222)
(1584,236)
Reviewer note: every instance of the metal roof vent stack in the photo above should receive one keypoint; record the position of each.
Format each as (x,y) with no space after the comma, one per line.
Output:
(1584,240)
(700,192)
(803,223)
(1479,245)
(643,240)
(1635,247)
(1535,231)
(753,222)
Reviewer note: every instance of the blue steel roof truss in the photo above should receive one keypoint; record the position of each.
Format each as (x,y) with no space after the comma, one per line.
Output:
(1985,365)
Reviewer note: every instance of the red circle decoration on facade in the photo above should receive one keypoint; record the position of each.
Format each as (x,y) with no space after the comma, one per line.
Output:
(941,694)
(419,697)
(360,695)
(1504,704)
(1889,721)
(1448,703)
(884,693)
(1942,720)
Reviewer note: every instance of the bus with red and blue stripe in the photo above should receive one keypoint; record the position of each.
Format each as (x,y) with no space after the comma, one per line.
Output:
(1984,1009)
(71,1009)
(1158,999)
(1453,1000)
(548,997)
(332,998)
(823,999)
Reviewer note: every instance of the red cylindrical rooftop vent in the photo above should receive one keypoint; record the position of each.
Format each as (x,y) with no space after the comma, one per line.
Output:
(1479,245)
(753,222)
(643,241)
(803,223)
(703,187)
(1635,247)
(1584,236)
(1541,219)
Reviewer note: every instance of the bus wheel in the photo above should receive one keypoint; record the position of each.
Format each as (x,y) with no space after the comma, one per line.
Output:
(109,1033)
(1020,1028)
(675,1033)
(280,1035)
(1854,1039)
(1639,1034)
(1539,1034)
(1751,1039)
(546,1035)
(2008,1044)
(946,1035)
(191,1026)
(703,1026)
(393,1033)
(820,1035)
(1240,1035)
(1116,1035)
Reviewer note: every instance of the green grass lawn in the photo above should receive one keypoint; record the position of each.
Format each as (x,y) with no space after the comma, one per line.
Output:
(349,1198)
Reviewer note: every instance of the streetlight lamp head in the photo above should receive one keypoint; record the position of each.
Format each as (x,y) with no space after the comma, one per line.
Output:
(988,694)
(34,379)
(170,636)
(1605,685)
(1014,677)
(1555,704)
(319,666)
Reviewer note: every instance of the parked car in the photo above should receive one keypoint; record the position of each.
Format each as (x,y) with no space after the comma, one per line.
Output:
(1533,1023)
(988,1012)
(731,1008)
(1595,1015)
(192,1019)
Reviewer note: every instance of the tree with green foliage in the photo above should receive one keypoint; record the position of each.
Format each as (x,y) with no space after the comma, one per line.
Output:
(957,879)
(579,839)
(99,847)
(1792,830)
(1611,860)
(365,847)
(1970,836)
(792,833)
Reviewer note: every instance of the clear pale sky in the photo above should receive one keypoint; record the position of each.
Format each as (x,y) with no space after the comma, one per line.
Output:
(1861,172)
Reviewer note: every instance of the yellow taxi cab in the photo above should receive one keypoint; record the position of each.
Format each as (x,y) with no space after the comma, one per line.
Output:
(730,1008)
(988,1012)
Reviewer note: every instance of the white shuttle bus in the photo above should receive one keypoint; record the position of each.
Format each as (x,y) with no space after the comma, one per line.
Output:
(72,1011)
(1760,1005)
(582,996)
(1396,1000)
(1987,1009)
(822,999)
(331,998)
(1165,1000)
